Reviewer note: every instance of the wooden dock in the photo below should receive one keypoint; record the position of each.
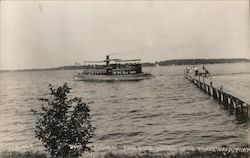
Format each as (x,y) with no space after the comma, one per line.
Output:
(230,102)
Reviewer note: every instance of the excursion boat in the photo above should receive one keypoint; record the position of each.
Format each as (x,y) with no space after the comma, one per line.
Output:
(113,70)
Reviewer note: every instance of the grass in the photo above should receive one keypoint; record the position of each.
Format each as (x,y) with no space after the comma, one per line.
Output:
(187,154)
(145,154)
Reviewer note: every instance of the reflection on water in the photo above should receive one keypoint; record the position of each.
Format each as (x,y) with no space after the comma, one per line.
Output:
(166,110)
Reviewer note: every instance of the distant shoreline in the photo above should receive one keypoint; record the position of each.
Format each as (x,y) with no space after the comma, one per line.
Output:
(161,63)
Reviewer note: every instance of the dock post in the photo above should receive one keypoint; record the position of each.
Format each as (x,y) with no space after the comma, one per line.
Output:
(248,110)
(234,104)
(199,85)
(207,88)
(241,107)
(230,103)
(219,95)
(222,97)
(211,88)
(204,84)
(214,93)
(237,106)
(225,100)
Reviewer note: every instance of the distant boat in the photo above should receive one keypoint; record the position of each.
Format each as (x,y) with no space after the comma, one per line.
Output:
(157,64)
(119,70)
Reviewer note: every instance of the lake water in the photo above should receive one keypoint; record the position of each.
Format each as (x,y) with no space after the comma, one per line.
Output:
(166,110)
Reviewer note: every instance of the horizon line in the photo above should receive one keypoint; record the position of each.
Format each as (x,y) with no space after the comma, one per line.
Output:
(149,62)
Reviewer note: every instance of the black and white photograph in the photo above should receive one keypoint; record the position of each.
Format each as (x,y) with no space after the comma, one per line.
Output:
(124,79)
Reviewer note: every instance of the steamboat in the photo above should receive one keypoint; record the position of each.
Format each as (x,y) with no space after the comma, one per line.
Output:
(113,70)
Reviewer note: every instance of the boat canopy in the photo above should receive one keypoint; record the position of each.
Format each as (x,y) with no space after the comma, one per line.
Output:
(115,60)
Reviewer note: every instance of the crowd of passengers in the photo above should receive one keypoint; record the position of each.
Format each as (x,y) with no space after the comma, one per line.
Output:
(196,70)
(112,73)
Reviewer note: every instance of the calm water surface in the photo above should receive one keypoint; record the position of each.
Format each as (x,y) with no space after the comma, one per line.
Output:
(166,110)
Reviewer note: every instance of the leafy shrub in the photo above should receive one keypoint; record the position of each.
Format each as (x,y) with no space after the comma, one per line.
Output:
(64,125)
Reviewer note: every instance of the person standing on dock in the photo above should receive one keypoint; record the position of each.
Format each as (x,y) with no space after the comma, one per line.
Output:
(211,80)
(196,71)
(188,69)
(205,71)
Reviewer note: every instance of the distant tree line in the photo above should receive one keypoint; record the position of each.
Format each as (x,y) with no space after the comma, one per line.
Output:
(201,61)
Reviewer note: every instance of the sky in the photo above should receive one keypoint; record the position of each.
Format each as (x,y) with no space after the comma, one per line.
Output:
(44,34)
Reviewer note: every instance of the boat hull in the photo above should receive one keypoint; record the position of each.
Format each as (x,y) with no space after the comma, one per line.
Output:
(128,77)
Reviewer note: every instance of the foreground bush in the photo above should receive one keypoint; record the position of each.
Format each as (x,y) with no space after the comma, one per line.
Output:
(63,125)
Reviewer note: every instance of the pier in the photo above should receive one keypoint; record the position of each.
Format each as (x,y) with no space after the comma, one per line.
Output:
(232,103)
